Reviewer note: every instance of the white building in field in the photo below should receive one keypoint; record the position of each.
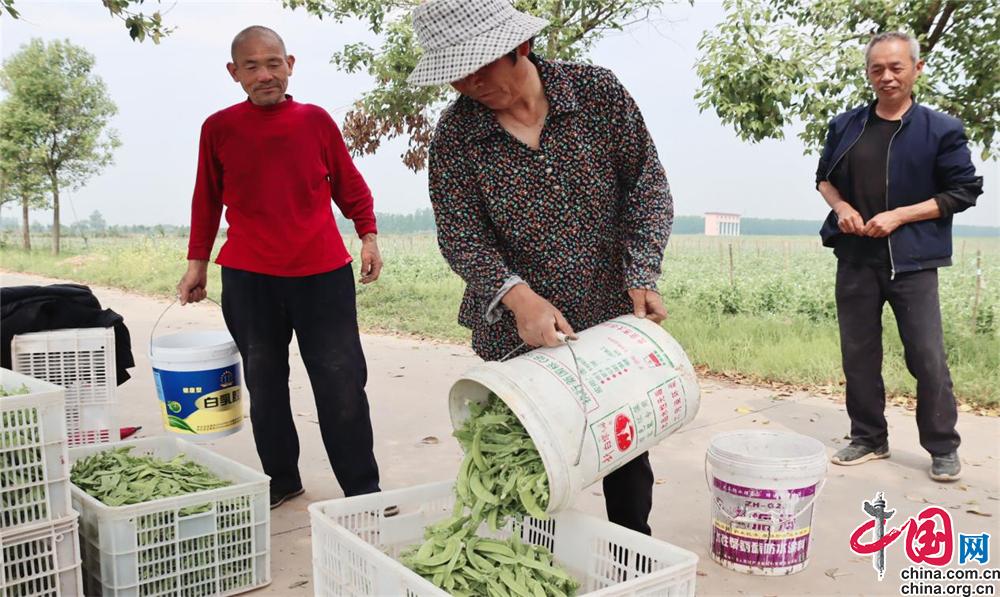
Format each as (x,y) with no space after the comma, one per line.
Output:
(722,224)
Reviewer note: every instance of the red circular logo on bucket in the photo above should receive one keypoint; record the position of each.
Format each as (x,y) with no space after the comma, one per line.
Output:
(624,432)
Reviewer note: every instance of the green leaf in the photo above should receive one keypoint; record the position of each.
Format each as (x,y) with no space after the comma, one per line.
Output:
(393,108)
(179,423)
(804,61)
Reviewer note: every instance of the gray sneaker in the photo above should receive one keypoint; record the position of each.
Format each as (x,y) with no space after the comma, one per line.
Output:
(946,468)
(855,453)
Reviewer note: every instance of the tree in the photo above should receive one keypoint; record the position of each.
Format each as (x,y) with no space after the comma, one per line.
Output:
(394,108)
(21,181)
(96,223)
(771,62)
(139,25)
(25,187)
(56,113)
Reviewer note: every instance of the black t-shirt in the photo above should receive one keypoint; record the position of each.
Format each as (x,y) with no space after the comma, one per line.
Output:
(867,162)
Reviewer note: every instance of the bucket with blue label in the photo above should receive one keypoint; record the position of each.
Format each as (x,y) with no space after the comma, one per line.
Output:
(198,383)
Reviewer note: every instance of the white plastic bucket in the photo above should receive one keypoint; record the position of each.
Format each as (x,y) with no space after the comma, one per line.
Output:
(764,486)
(638,388)
(198,382)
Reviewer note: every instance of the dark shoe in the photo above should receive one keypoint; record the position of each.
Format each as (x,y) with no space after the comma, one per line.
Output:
(280,497)
(859,453)
(390,511)
(946,468)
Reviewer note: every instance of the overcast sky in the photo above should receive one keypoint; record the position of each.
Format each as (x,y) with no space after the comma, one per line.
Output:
(165,91)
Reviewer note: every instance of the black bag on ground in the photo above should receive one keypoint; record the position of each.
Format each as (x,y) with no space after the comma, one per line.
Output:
(25,309)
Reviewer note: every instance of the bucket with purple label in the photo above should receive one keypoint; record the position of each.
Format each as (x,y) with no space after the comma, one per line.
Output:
(764,487)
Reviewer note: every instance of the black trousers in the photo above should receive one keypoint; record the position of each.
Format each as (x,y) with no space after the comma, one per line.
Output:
(628,494)
(261,312)
(861,291)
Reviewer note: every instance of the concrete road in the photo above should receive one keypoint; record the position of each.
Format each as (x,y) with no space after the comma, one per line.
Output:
(408,389)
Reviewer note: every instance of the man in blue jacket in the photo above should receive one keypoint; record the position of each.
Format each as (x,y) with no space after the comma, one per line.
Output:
(894,172)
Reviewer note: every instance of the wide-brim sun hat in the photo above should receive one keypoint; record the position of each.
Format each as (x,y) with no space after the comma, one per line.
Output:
(458,37)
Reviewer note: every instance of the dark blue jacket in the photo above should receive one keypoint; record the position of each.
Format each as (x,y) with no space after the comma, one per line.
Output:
(928,158)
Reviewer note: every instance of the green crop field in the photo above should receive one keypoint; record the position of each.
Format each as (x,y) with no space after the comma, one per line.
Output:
(770,316)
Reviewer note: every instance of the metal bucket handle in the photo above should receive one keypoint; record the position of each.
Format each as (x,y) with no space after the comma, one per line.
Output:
(566,340)
(172,303)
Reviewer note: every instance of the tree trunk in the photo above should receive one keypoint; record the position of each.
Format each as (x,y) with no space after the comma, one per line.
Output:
(25,225)
(556,20)
(55,213)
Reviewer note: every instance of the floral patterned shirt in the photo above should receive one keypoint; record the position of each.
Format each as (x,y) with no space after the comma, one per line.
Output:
(581,220)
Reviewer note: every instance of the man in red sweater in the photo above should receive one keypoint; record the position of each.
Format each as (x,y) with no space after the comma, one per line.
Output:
(275,164)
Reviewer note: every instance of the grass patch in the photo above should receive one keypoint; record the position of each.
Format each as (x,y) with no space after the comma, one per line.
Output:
(771,315)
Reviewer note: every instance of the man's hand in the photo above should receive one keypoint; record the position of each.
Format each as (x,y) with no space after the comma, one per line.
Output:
(849,220)
(371,259)
(882,224)
(647,304)
(538,321)
(191,288)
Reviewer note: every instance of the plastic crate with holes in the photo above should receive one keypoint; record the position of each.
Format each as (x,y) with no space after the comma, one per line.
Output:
(355,548)
(213,542)
(41,560)
(81,361)
(34,471)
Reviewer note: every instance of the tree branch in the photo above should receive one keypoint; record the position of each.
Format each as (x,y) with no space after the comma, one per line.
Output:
(576,6)
(941,24)
(644,17)
(929,17)
(553,40)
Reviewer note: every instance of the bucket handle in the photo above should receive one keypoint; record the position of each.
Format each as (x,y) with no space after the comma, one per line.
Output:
(579,376)
(747,520)
(172,303)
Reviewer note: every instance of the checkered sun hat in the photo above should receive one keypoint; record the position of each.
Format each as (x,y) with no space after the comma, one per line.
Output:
(460,36)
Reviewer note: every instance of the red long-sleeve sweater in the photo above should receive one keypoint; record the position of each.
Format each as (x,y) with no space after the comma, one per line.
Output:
(275,168)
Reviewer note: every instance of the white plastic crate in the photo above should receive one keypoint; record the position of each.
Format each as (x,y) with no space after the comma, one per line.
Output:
(43,560)
(159,548)
(34,469)
(82,361)
(355,546)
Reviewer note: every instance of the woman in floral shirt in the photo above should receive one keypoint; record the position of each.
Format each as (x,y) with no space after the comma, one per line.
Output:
(550,200)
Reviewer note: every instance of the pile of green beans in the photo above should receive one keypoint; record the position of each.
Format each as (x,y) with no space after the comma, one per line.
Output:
(501,479)
(117,478)
(24,389)
(502,475)
(455,559)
